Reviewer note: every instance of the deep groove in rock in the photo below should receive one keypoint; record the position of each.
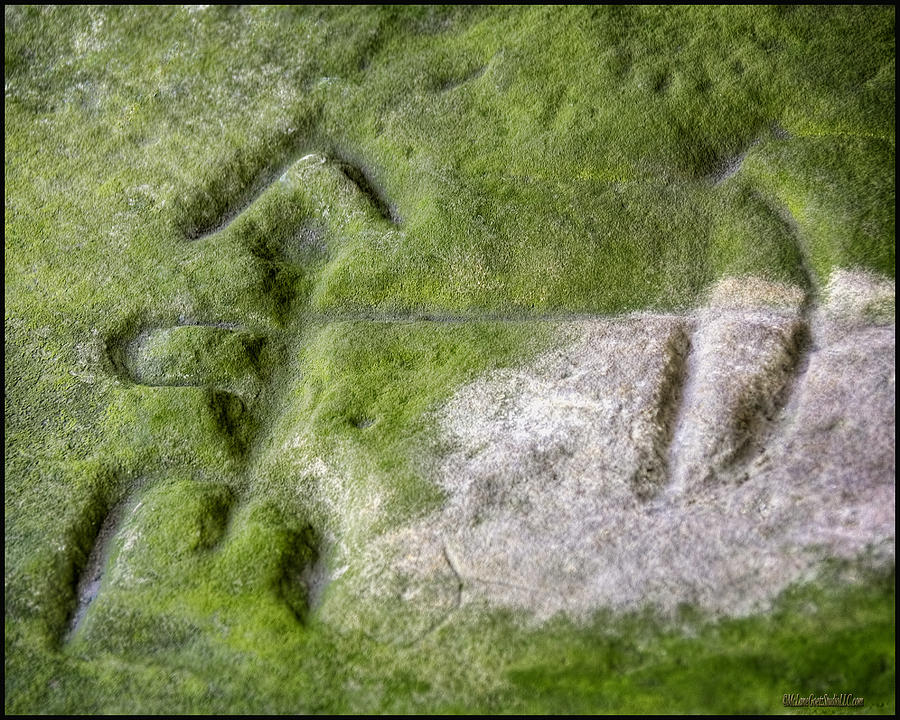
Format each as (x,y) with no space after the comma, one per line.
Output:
(89,578)
(229,216)
(763,427)
(262,175)
(303,575)
(233,419)
(364,184)
(802,340)
(679,394)
(809,273)
(654,473)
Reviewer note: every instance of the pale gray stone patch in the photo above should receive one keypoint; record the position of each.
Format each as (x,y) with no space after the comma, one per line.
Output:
(712,458)
(855,299)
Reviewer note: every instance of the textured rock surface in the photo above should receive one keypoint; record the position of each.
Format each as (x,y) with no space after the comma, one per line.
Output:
(740,366)
(712,458)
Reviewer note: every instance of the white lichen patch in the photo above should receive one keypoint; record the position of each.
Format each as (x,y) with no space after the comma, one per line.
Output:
(859,298)
(712,459)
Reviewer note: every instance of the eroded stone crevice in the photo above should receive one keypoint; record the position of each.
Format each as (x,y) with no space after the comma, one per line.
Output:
(89,577)
(741,362)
